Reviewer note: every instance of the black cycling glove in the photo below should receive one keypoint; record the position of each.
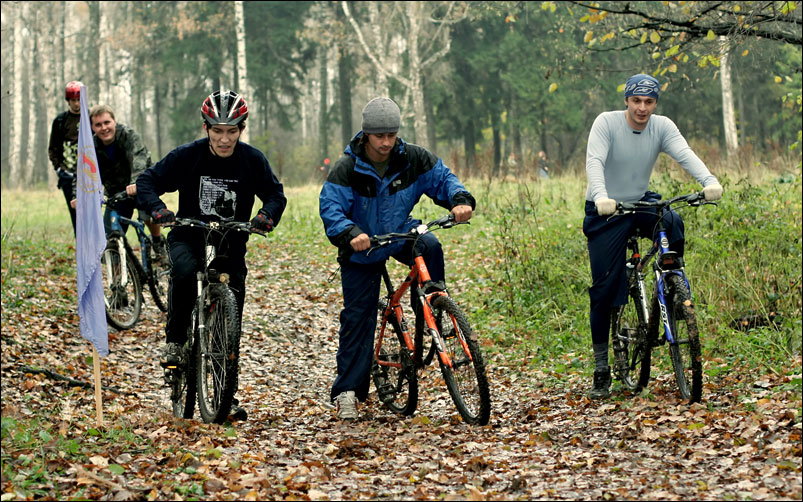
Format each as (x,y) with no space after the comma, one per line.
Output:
(262,222)
(163,216)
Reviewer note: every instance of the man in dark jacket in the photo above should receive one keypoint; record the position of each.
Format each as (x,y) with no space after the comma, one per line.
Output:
(63,146)
(217,179)
(122,158)
(372,190)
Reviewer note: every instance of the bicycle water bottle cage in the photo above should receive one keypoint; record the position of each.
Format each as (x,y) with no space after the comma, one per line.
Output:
(670,261)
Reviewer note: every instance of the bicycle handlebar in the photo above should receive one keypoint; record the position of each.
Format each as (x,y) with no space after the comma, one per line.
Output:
(238,226)
(448,221)
(119,196)
(693,199)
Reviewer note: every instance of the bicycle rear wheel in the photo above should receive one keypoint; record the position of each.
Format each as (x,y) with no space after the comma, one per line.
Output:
(123,301)
(631,349)
(465,378)
(685,351)
(184,386)
(159,279)
(396,381)
(219,355)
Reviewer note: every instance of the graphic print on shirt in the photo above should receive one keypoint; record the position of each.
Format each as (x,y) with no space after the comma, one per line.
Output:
(217,197)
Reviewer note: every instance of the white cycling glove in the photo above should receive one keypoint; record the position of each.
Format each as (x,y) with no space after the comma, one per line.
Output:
(712,192)
(605,206)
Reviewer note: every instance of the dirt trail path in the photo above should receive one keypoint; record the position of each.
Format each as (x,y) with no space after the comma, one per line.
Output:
(543,441)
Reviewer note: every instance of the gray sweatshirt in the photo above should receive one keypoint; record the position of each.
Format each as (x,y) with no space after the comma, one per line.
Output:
(619,159)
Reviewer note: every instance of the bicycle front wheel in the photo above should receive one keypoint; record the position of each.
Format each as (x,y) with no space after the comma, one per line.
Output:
(219,355)
(685,350)
(159,279)
(393,371)
(631,349)
(122,292)
(465,377)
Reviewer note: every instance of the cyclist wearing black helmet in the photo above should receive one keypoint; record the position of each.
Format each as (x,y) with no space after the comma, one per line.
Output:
(217,179)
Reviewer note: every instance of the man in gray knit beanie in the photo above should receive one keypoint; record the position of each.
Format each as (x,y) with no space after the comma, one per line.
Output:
(381,115)
(371,190)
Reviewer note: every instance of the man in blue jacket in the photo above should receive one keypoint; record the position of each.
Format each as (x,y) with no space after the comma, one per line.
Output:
(372,190)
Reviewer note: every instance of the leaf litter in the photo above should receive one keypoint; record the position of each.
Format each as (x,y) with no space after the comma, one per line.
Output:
(544,440)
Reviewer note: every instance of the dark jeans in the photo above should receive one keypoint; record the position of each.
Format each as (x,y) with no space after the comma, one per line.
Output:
(186,257)
(607,245)
(361,284)
(66,188)
(125,208)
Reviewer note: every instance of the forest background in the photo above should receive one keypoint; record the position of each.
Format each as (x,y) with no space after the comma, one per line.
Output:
(486,85)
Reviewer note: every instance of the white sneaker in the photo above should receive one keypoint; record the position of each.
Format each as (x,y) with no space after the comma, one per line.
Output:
(346,405)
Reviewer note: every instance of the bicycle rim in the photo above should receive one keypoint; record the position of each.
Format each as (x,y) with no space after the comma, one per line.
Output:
(685,352)
(396,384)
(183,388)
(123,301)
(159,281)
(218,359)
(466,378)
(631,353)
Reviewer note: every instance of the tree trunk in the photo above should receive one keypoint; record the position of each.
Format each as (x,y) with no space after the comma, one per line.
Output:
(728,115)
(381,82)
(416,78)
(242,74)
(92,81)
(497,145)
(7,77)
(344,68)
(24,94)
(323,122)
(432,138)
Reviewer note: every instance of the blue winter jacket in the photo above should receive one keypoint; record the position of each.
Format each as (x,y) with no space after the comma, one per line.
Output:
(355,200)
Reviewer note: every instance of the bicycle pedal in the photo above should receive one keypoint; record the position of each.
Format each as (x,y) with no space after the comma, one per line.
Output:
(169,376)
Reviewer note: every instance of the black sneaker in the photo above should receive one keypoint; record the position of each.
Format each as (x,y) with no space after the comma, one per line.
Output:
(602,384)
(171,355)
(237,412)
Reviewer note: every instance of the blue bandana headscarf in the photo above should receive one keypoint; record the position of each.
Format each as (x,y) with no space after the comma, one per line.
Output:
(642,85)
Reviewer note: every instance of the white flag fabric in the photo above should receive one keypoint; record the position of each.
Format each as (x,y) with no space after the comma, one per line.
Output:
(90,237)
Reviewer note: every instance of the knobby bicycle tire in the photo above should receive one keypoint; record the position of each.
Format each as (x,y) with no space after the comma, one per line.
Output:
(685,351)
(123,303)
(396,387)
(184,386)
(218,355)
(466,378)
(631,349)
(158,279)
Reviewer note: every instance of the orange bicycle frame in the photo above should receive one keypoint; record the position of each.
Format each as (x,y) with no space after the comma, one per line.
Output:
(419,273)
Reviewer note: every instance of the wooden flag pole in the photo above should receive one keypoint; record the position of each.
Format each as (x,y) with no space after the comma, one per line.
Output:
(98,396)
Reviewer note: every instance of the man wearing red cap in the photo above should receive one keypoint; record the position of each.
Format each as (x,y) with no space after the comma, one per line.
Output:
(63,146)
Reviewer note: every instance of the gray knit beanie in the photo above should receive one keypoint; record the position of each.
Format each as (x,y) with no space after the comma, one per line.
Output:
(381,115)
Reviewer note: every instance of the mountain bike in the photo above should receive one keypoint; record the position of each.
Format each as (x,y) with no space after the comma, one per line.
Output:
(123,274)
(398,355)
(635,325)
(211,355)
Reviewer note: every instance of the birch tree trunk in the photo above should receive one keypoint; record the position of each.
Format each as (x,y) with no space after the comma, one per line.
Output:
(242,75)
(381,82)
(92,81)
(728,115)
(416,16)
(23,93)
(416,80)
(10,20)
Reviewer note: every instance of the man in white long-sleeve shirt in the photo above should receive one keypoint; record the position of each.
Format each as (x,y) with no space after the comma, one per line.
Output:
(623,146)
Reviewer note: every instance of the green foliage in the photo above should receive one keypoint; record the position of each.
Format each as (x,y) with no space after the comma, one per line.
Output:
(743,257)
